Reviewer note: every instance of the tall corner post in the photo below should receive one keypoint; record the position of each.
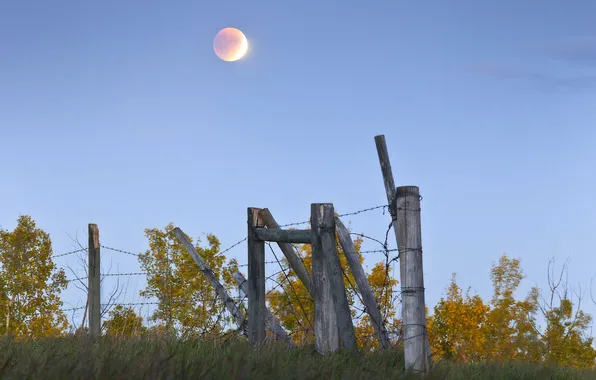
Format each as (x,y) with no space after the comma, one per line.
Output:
(256,280)
(416,350)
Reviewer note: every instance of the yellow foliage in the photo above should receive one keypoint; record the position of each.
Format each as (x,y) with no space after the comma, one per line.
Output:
(455,329)
(187,301)
(124,322)
(30,284)
(466,329)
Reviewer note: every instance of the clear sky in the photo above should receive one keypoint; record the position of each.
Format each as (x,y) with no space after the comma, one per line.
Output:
(119,113)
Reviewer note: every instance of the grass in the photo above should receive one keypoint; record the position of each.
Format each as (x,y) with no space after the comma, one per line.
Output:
(150,358)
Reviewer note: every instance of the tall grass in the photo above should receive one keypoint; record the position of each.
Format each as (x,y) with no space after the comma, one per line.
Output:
(152,358)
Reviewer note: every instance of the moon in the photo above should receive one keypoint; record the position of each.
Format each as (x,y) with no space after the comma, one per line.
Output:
(230,44)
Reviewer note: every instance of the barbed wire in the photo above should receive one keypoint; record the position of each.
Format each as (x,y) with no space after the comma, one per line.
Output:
(363,210)
(73,309)
(77,279)
(124,274)
(232,246)
(338,216)
(70,253)
(120,251)
(131,304)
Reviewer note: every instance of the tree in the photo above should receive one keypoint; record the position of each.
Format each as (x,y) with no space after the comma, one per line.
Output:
(187,303)
(124,322)
(292,305)
(30,283)
(468,330)
(565,340)
(455,329)
(510,325)
(382,285)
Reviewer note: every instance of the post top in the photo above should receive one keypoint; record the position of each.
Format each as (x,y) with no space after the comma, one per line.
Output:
(403,191)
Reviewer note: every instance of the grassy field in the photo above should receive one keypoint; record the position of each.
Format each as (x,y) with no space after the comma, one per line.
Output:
(73,358)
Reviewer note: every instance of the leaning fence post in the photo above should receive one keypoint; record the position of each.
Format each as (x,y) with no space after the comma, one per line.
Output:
(256,280)
(368,298)
(94,283)
(210,276)
(410,249)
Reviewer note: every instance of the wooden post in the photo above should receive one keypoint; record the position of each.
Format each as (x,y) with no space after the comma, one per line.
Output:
(333,319)
(288,251)
(270,320)
(389,189)
(256,281)
(210,276)
(410,247)
(326,333)
(368,298)
(94,283)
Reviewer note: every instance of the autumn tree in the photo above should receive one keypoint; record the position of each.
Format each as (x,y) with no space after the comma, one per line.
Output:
(467,329)
(187,303)
(510,326)
(456,328)
(30,283)
(123,322)
(382,284)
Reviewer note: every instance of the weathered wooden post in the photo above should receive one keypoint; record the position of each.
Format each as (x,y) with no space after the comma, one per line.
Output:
(417,356)
(256,280)
(94,283)
(210,276)
(270,320)
(368,297)
(333,319)
(412,294)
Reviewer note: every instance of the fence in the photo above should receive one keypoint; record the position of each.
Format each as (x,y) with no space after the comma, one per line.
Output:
(333,324)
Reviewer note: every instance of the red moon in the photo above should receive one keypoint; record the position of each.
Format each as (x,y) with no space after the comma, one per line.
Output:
(230,44)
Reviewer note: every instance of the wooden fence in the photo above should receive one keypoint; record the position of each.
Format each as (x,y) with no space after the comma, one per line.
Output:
(333,322)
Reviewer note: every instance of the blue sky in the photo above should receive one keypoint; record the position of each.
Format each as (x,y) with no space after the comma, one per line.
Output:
(119,113)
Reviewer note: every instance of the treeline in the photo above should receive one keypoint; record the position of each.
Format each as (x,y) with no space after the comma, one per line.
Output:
(544,327)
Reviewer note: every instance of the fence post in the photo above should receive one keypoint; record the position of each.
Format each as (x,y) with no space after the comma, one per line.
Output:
(323,221)
(410,249)
(256,280)
(94,282)
(326,333)
(389,189)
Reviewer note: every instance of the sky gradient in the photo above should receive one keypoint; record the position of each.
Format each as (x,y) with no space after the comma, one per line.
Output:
(119,113)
